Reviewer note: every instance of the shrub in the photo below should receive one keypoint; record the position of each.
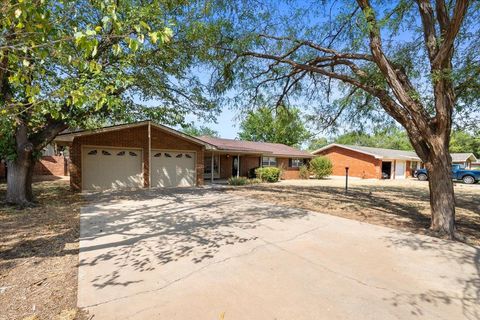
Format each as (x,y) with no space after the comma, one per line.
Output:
(241,181)
(237,181)
(321,167)
(268,174)
(304,173)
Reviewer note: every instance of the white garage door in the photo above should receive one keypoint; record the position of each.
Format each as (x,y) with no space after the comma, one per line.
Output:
(172,168)
(108,168)
(400,170)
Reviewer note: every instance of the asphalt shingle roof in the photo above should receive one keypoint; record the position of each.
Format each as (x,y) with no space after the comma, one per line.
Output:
(382,153)
(385,153)
(252,146)
(461,157)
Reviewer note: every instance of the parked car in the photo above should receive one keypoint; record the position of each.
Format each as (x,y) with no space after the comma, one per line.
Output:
(458,173)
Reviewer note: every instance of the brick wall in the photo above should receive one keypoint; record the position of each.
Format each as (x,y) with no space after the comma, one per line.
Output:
(360,165)
(136,137)
(162,139)
(51,165)
(225,166)
(247,163)
(287,172)
(46,166)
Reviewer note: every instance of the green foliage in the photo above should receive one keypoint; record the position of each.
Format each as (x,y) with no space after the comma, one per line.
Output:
(304,172)
(84,64)
(268,174)
(237,181)
(316,144)
(241,181)
(389,138)
(321,167)
(283,125)
(200,131)
(464,142)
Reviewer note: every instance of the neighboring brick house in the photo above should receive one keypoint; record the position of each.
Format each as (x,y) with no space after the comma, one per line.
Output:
(464,159)
(47,165)
(370,163)
(145,154)
(378,163)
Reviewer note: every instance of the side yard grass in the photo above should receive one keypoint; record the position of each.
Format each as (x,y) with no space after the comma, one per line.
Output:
(39,255)
(403,205)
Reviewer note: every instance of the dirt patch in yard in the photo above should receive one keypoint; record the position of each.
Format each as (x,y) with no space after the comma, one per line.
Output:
(39,254)
(397,204)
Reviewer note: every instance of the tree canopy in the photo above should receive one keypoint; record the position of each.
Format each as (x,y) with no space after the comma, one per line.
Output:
(195,131)
(86,63)
(81,64)
(415,61)
(279,125)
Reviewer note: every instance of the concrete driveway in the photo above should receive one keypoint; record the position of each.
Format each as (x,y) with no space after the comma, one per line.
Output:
(204,254)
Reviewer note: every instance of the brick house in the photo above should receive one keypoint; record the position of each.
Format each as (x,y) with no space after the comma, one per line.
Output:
(145,154)
(370,163)
(464,159)
(47,165)
(379,163)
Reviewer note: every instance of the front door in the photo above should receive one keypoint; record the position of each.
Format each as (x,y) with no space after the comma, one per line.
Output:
(234,166)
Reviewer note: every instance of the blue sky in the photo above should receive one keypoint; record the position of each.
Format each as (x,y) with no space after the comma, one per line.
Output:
(226,124)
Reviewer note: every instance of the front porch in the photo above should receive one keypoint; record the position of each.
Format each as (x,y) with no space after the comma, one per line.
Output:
(223,165)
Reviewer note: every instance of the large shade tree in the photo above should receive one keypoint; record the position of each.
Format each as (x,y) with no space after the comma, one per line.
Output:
(277,125)
(416,61)
(79,64)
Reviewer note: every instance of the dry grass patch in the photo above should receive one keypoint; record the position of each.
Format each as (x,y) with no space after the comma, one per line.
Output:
(39,255)
(397,204)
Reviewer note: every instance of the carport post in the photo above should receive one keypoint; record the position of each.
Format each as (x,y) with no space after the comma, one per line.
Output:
(211,170)
(346,179)
(238,165)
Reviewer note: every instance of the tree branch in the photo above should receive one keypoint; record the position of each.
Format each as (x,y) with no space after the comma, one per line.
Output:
(426,13)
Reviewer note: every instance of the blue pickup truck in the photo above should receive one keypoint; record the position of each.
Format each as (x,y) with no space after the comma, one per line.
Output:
(458,173)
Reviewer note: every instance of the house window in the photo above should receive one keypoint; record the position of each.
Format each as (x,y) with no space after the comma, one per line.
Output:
(295,162)
(269,162)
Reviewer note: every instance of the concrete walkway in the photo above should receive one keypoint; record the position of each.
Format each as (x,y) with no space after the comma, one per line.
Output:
(204,254)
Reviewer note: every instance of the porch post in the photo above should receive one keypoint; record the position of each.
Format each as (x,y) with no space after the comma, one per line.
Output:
(238,166)
(211,170)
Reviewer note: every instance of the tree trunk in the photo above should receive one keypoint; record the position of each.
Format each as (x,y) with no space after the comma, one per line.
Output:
(19,180)
(442,199)
(20,170)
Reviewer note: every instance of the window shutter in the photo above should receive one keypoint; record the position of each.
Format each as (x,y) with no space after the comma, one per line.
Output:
(290,162)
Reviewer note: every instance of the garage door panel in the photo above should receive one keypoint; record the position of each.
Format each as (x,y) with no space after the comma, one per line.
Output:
(173,168)
(400,170)
(107,168)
